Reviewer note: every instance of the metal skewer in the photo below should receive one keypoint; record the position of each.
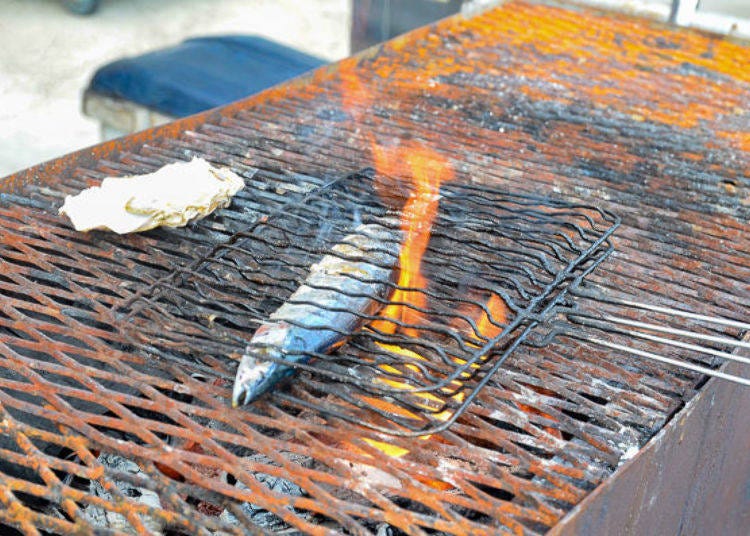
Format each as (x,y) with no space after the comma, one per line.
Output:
(601,323)
(639,330)
(673,331)
(668,360)
(601,297)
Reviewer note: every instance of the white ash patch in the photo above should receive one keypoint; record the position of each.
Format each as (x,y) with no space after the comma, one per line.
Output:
(629,444)
(629,453)
(101,517)
(369,477)
(259,515)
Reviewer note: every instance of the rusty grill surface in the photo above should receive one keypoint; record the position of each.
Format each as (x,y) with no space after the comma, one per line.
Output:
(101,429)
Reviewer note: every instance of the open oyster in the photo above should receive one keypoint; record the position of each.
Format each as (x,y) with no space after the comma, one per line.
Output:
(171,197)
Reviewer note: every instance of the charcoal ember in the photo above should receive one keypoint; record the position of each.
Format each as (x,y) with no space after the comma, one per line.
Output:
(260,516)
(103,518)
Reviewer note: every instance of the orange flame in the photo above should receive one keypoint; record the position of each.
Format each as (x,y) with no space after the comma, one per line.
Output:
(498,314)
(427,171)
(354,95)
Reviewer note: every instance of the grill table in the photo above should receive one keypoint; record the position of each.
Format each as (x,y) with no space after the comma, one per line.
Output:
(644,120)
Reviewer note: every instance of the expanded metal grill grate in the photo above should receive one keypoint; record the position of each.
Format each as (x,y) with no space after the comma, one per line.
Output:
(115,400)
(105,428)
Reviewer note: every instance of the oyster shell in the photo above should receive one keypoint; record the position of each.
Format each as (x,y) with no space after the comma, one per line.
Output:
(172,196)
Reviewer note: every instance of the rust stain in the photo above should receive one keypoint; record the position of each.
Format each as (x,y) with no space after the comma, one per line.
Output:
(565,49)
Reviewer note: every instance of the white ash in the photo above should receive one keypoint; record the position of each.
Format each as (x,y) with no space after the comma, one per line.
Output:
(100,517)
(628,445)
(385,529)
(628,454)
(259,515)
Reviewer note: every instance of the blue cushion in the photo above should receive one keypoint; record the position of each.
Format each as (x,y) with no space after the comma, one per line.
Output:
(201,73)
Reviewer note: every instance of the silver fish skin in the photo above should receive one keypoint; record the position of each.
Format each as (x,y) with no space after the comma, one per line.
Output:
(319,316)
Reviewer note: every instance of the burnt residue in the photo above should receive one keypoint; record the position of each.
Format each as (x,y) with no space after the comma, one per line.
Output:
(642,158)
(687,68)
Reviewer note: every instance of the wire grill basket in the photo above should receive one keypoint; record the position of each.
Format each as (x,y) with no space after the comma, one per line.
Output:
(486,247)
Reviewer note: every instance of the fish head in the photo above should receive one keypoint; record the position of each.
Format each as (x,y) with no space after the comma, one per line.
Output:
(257,372)
(254,375)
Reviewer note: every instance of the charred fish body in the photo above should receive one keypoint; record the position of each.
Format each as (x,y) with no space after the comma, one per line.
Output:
(337,295)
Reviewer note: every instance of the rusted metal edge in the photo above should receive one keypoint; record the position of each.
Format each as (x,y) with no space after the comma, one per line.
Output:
(693,477)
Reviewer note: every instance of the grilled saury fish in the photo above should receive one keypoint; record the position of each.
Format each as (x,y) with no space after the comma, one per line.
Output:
(319,316)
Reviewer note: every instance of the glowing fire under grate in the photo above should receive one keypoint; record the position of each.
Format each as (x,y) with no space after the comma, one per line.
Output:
(493,266)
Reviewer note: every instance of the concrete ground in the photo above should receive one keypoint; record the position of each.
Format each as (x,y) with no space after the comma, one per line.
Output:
(48,55)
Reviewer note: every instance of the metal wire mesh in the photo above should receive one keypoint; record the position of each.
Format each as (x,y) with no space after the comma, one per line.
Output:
(526,251)
(95,420)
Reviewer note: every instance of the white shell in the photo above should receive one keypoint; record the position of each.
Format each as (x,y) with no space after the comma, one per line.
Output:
(171,197)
